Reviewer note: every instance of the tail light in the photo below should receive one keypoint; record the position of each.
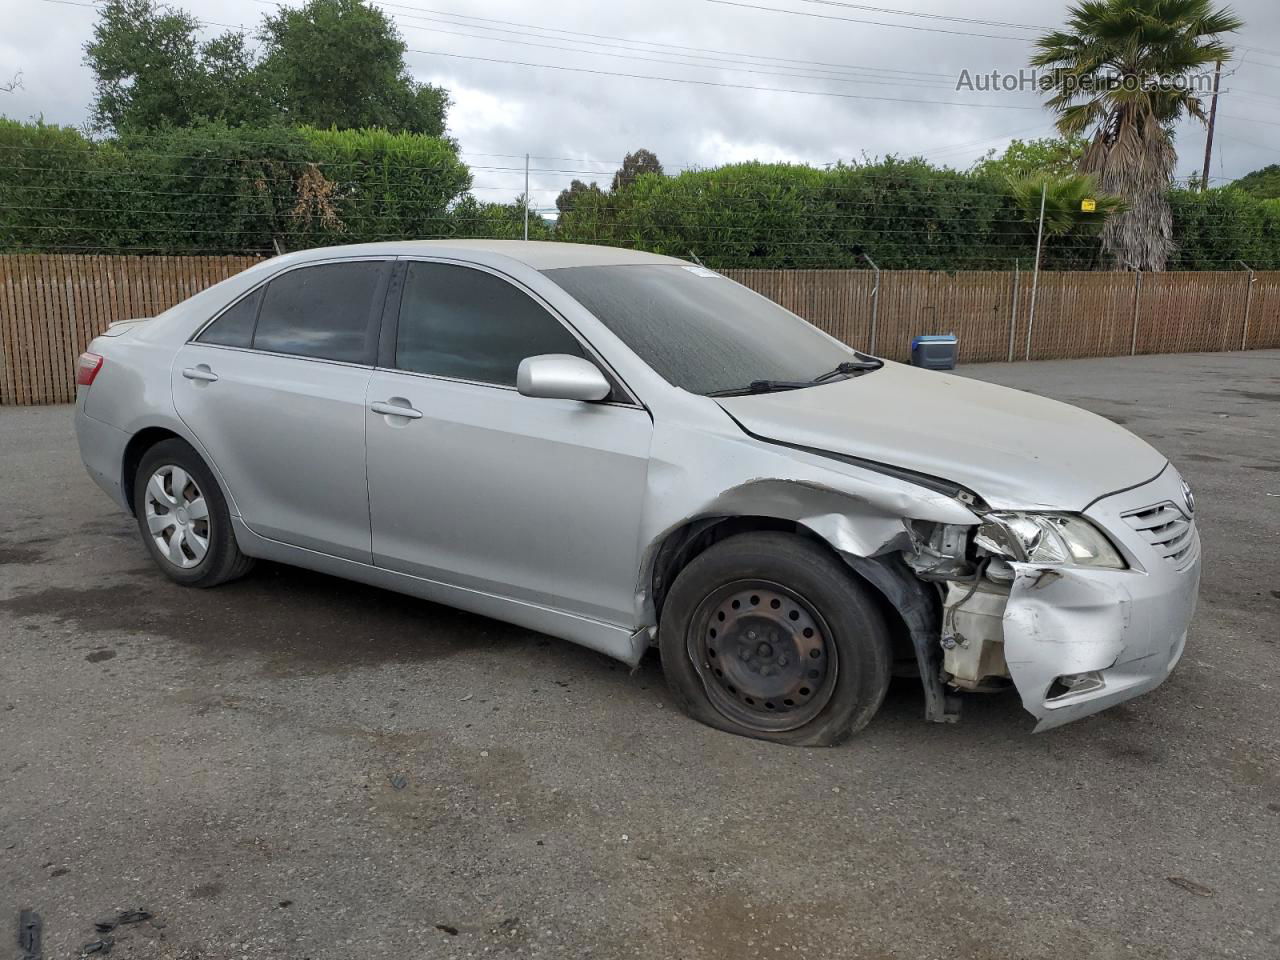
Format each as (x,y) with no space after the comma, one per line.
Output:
(87,368)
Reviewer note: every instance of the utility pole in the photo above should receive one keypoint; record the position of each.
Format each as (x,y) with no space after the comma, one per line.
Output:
(1213,115)
(526,196)
(1035,276)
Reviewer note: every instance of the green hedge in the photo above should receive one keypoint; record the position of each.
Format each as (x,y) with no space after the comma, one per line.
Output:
(904,214)
(217,189)
(1216,229)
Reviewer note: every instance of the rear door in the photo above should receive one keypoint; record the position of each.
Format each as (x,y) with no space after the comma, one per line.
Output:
(274,389)
(477,486)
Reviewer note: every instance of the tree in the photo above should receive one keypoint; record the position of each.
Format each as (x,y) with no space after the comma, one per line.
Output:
(150,70)
(145,62)
(1263,184)
(332,63)
(1022,158)
(569,197)
(633,165)
(340,63)
(1110,76)
(472,218)
(1064,197)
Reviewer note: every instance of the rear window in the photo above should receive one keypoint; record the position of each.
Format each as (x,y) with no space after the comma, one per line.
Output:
(699,330)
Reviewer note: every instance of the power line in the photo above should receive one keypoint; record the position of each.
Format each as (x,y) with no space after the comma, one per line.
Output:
(655,43)
(929,16)
(681,63)
(875,23)
(715,83)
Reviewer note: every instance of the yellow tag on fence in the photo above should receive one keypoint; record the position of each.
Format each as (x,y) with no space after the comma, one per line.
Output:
(1088,205)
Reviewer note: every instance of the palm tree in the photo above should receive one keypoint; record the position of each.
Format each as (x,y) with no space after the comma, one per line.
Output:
(1111,70)
(1064,208)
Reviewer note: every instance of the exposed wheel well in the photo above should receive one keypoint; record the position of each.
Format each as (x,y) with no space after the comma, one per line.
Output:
(138,445)
(686,542)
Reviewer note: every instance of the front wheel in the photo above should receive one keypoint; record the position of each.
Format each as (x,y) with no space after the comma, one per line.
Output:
(768,635)
(184,519)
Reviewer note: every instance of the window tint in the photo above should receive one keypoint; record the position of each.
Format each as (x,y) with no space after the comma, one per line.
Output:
(468,324)
(321,311)
(235,327)
(699,330)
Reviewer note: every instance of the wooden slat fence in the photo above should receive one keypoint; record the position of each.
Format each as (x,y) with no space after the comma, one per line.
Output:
(51,306)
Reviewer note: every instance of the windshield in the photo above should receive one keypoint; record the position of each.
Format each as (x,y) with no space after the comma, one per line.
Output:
(699,330)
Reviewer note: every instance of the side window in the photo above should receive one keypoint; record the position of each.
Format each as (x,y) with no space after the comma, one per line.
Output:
(235,327)
(322,311)
(468,324)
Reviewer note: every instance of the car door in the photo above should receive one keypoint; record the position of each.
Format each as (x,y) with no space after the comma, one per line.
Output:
(274,389)
(477,486)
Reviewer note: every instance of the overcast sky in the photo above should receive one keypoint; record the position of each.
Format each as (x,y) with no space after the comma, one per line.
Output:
(868,73)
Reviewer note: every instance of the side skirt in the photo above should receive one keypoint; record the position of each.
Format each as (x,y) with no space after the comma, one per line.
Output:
(621,643)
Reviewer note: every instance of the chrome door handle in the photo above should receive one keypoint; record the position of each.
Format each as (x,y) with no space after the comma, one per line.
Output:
(200,373)
(395,410)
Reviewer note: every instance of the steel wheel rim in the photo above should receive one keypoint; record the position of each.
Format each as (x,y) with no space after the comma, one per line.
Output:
(177,516)
(764,654)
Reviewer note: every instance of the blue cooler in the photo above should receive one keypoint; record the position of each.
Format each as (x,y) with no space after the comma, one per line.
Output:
(935,351)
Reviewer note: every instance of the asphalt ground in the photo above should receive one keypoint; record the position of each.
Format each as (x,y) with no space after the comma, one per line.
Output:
(295,766)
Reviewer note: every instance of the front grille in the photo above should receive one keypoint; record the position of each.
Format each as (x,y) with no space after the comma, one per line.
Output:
(1169,531)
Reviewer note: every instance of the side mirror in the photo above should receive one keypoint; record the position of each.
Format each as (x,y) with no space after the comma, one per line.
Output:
(560,376)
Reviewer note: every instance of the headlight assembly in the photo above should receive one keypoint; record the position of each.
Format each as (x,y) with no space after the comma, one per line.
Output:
(1048,538)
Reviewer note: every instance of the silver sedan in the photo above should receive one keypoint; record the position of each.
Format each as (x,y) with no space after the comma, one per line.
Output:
(628,451)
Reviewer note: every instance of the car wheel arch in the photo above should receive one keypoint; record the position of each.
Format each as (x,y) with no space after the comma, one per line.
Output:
(144,437)
(678,548)
(137,447)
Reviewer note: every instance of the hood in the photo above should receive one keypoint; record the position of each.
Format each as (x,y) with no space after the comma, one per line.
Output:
(1016,450)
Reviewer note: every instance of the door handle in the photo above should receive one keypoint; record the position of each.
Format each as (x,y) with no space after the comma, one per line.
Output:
(200,373)
(395,409)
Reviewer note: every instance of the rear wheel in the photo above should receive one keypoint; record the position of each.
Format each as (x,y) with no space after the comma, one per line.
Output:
(767,635)
(183,517)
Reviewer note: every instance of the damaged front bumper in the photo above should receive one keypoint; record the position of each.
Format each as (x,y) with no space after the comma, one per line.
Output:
(1078,641)
(1113,634)
(1075,640)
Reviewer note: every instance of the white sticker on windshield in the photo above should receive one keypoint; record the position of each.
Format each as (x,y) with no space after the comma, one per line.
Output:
(702,272)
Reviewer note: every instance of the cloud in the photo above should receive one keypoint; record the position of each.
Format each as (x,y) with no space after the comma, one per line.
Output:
(579,124)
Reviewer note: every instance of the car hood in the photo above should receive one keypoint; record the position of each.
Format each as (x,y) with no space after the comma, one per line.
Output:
(1016,450)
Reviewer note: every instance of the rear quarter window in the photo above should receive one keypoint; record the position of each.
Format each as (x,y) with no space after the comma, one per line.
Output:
(235,327)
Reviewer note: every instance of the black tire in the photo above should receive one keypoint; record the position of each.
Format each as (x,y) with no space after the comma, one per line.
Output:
(809,620)
(222,559)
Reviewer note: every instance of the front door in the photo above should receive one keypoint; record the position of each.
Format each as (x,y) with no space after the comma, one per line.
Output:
(480,487)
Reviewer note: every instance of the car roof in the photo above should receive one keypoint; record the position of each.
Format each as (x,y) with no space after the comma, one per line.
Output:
(538,254)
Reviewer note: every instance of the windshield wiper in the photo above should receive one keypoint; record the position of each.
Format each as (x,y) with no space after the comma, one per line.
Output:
(849,368)
(846,369)
(761,386)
